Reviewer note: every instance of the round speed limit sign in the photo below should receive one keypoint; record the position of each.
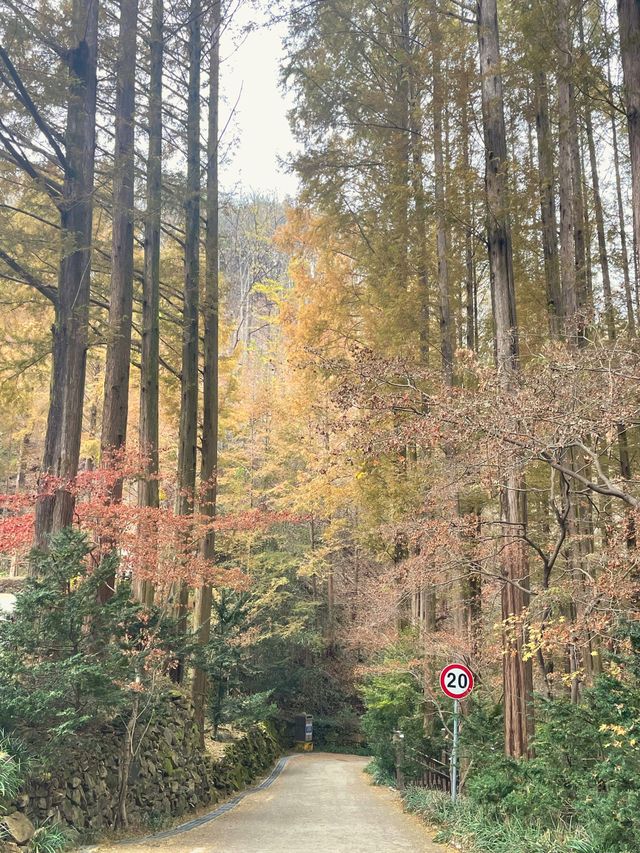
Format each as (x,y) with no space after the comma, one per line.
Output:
(456,681)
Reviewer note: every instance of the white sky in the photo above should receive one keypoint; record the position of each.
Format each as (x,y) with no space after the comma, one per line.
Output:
(260,124)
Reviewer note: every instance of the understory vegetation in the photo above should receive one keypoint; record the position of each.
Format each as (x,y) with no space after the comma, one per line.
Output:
(15,765)
(579,792)
(471,827)
(68,661)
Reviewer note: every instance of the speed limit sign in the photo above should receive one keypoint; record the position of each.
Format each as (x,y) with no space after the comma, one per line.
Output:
(456,681)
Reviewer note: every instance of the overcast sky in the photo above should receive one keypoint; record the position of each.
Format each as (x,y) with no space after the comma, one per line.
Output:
(260,122)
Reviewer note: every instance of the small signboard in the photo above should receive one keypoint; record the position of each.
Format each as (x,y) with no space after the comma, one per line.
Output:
(303,732)
(456,681)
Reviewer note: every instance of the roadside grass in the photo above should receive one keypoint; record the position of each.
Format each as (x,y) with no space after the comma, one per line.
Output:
(49,839)
(469,827)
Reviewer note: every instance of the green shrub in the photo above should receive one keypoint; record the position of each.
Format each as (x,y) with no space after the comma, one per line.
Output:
(341,732)
(394,701)
(65,658)
(585,773)
(380,775)
(246,710)
(580,793)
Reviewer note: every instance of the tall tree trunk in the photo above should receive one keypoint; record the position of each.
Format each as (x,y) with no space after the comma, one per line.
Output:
(630,67)
(420,212)
(115,408)
(148,490)
(517,674)
(70,334)
(587,234)
(609,313)
(628,294)
(401,152)
(584,295)
(470,294)
(498,227)
(209,470)
(117,366)
(423,255)
(548,205)
(21,476)
(567,179)
(189,373)
(627,473)
(629,21)
(444,308)
(190,344)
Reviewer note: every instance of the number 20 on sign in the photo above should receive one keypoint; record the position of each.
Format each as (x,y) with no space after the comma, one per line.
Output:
(456,681)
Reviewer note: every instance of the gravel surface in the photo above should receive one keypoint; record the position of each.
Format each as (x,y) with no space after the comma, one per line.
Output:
(321,803)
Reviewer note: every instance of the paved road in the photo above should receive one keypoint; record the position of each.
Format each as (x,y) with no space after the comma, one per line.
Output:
(320,804)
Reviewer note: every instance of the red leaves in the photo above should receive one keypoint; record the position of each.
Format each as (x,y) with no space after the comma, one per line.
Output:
(153,544)
(16,530)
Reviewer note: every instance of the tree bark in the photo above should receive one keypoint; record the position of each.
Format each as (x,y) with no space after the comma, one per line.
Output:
(420,211)
(209,469)
(629,21)
(498,227)
(583,269)
(148,430)
(189,373)
(70,333)
(188,430)
(609,313)
(401,150)
(444,308)
(517,674)
(115,409)
(548,205)
(627,474)
(628,293)
(470,279)
(117,366)
(567,179)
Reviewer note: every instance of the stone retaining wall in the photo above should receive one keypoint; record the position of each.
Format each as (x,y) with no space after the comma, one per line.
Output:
(169,776)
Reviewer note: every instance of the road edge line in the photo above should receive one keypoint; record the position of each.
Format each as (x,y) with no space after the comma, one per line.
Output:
(206,818)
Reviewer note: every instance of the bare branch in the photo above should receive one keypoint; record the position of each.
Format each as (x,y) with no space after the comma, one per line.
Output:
(29,279)
(606,488)
(26,99)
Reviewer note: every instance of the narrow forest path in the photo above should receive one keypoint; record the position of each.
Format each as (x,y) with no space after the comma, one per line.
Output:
(319,804)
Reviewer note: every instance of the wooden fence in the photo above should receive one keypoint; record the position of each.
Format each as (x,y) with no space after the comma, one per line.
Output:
(433,774)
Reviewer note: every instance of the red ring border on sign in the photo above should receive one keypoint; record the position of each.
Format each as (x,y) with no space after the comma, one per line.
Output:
(445,689)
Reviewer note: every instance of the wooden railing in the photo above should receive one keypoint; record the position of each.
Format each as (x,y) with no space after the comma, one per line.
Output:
(434,778)
(433,774)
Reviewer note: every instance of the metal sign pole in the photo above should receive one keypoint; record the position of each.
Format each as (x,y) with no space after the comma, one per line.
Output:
(454,752)
(456,682)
